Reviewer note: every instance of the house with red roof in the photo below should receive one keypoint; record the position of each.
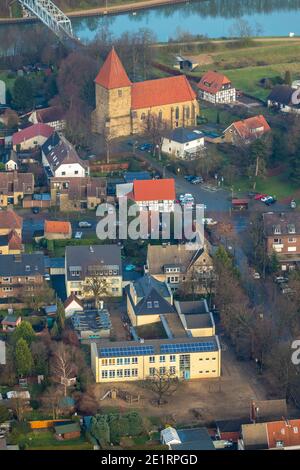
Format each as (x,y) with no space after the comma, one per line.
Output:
(155,195)
(123,107)
(57,230)
(283,434)
(31,137)
(246,131)
(54,116)
(216,88)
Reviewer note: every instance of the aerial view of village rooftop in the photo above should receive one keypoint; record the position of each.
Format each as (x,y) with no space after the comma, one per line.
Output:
(149,228)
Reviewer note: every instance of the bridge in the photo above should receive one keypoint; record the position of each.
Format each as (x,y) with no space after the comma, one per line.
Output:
(47,12)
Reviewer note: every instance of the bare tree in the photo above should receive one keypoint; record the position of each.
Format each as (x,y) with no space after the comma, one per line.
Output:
(63,367)
(51,400)
(154,127)
(162,384)
(97,286)
(19,407)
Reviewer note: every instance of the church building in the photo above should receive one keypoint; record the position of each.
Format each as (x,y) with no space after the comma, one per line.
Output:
(122,107)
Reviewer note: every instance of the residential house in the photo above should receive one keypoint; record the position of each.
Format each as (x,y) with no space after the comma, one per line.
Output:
(74,194)
(10,221)
(11,244)
(54,116)
(282,236)
(183,143)
(285,99)
(20,274)
(40,200)
(130,176)
(60,159)
(184,357)
(246,131)
(57,230)
(216,88)
(11,161)
(123,107)
(147,300)
(154,195)
(186,439)
(72,304)
(14,186)
(175,264)
(10,322)
(31,137)
(83,263)
(273,435)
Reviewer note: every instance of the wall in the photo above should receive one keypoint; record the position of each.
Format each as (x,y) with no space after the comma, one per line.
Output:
(70,171)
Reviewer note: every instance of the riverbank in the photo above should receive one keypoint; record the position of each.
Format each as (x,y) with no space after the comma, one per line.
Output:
(103,11)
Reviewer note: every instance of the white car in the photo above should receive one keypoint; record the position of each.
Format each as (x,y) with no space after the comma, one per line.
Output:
(208,220)
(78,235)
(265,198)
(84,224)
(47,277)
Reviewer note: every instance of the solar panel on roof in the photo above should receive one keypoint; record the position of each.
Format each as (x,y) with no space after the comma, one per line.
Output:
(127,351)
(188,347)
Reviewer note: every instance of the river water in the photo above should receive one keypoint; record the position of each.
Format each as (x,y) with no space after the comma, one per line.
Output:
(213,18)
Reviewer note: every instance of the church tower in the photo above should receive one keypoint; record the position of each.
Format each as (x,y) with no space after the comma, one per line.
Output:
(113,99)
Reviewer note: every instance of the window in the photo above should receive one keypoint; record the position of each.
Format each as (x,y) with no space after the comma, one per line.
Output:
(152,359)
(127,373)
(134,372)
(292,240)
(143,116)
(76,172)
(277,230)
(187,113)
(104,362)
(152,371)
(127,360)
(104,374)
(119,373)
(63,173)
(177,113)
(134,360)
(173,370)
(149,304)
(291,228)
(119,361)
(160,116)
(172,358)
(119,93)
(111,362)
(162,370)
(112,374)
(156,304)
(162,358)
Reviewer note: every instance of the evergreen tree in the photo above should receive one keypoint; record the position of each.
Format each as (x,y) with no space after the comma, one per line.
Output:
(61,317)
(54,330)
(24,331)
(288,78)
(22,94)
(23,358)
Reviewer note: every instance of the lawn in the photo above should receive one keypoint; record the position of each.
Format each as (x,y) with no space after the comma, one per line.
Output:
(45,440)
(9,81)
(151,331)
(278,186)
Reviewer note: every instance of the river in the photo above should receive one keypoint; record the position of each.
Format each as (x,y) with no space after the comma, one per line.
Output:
(213,18)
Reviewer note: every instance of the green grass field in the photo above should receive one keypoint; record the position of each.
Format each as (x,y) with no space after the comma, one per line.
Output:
(278,186)
(45,440)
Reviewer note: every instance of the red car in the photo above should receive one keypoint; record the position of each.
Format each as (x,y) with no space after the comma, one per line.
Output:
(258,197)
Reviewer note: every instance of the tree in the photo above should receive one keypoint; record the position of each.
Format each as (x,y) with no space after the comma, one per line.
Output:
(154,127)
(51,400)
(22,94)
(40,355)
(38,297)
(61,316)
(87,403)
(97,286)
(100,429)
(62,367)
(19,407)
(288,78)
(162,384)
(23,358)
(4,414)
(25,331)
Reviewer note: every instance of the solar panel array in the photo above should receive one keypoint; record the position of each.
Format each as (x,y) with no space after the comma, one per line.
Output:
(188,347)
(127,351)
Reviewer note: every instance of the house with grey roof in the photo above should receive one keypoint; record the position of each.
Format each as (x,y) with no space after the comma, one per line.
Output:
(60,159)
(183,142)
(187,439)
(87,265)
(284,98)
(175,264)
(147,300)
(195,317)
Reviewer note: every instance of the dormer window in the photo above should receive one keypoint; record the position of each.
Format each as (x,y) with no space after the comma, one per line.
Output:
(156,304)
(277,230)
(291,228)
(149,304)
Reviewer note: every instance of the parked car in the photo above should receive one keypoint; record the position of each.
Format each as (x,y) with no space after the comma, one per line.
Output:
(281,280)
(129,267)
(255,275)
(270,200)
(78,235)
(84,224)
(197,180)
(35,210)
(47,277)
(259,196)
(209,221)
(145,147)
(293,204)
(189,177)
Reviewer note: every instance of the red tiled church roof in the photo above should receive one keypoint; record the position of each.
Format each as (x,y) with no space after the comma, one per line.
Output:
(212,82)
(112,73)
(154,190)
(161,91)
(148,94)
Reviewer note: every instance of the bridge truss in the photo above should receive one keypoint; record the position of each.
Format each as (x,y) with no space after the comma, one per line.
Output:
(51,16)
